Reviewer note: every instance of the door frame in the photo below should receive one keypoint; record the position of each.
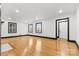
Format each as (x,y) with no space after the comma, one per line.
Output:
(67,20)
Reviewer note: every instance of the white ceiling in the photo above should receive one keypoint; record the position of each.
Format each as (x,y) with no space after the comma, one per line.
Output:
(32,11)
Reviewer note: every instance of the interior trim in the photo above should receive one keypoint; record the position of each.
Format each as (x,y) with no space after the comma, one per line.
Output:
(29,28)
(36,27)
(74,42)
(28,35)
(14,31)
(40,37)
(12,36)
(67,19)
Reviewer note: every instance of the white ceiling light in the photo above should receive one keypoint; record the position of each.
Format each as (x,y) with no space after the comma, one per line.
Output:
(9,18)
(17,11)
(60,11)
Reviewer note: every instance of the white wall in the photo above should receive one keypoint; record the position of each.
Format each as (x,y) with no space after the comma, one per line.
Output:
(77,26)
(72,25)
(21,29)
(48,26)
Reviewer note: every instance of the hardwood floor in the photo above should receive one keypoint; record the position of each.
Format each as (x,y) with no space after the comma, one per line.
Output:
(36,46)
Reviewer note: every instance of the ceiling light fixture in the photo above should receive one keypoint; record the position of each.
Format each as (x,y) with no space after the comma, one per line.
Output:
(9,18)
(17,11)
(60,11)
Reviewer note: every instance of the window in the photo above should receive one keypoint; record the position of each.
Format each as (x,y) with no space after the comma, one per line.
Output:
(30,28)
(12,27)
(38,27)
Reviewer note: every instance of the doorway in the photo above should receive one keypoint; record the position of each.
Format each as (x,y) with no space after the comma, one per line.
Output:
(62,28)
